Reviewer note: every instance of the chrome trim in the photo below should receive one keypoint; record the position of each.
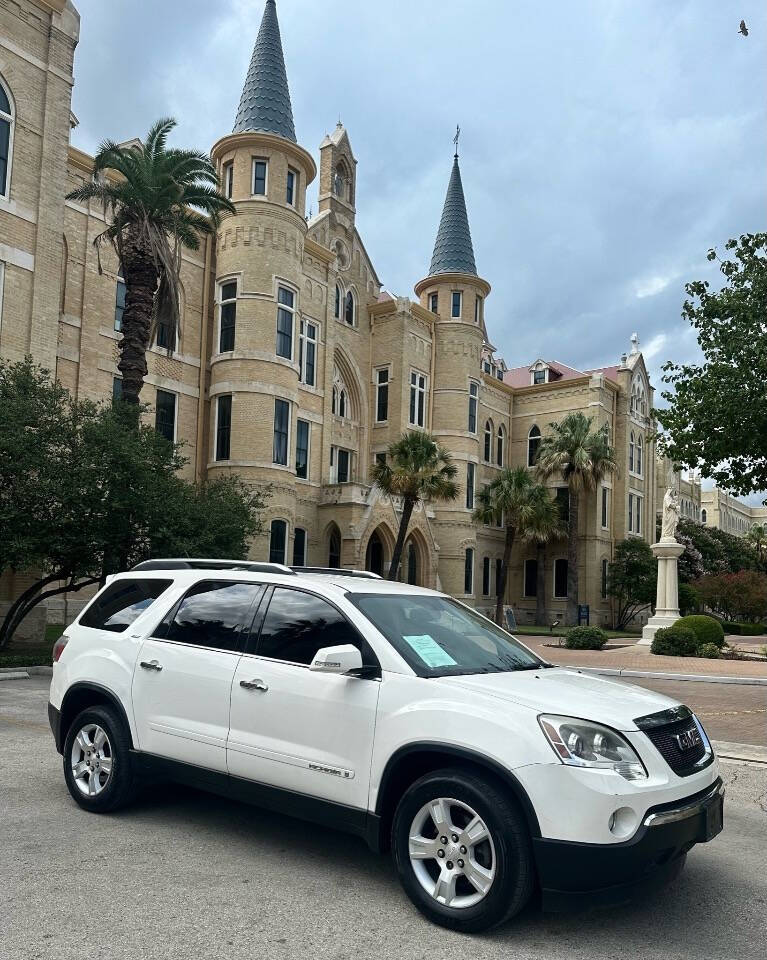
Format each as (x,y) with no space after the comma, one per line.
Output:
(685,810)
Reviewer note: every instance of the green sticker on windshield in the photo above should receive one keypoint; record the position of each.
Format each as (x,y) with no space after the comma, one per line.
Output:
(430,651)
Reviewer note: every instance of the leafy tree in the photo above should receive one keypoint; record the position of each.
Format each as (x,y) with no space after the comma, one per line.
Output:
(632,579)
(156,200)
(85,492)
(757,538)
(527,510)
(417,469)
(717,416)
(545,525)
(582,457)
(735,595)
(710,551)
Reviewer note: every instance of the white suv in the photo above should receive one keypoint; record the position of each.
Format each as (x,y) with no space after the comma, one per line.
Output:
(389,711)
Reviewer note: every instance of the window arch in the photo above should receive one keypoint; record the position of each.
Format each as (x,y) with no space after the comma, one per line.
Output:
(639,454)
(350,309)
(703,515)
(342,181)
(278,538)
(500,444)
(631,452)
(334,548)
(342,403)
(339,298)
(7,117)
(533,442)
(488,451)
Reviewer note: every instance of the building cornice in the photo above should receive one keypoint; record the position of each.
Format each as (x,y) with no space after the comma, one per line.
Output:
(317,250)
(57,6)
(254,138)
(466,279)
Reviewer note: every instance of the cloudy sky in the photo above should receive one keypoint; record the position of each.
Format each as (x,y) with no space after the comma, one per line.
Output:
(606,144)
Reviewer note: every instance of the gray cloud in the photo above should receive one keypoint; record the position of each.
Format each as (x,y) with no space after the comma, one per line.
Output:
(606,146)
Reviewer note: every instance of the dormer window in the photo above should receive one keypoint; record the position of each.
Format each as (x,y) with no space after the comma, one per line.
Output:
(540,376)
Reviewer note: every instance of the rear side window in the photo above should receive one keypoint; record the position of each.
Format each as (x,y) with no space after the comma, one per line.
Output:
(212,614)
(121,603)
(299,624)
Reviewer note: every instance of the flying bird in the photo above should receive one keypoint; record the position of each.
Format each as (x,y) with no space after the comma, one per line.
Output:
(743,28)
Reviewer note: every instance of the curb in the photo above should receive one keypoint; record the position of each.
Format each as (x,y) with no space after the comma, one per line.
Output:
(24,673)
(649,675)
(14,675)
(749,752)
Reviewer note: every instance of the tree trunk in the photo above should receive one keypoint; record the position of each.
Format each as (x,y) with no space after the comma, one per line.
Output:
(509,543)
(407,512)
(5,630)
(140,274)
(572,561)
(540,585)
(12,623)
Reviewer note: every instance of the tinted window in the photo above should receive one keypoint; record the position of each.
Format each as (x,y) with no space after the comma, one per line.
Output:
(121,603)
(299,624)
(212,614)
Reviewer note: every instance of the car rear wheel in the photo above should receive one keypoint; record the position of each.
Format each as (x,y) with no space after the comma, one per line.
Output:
(462,850)
(97,762)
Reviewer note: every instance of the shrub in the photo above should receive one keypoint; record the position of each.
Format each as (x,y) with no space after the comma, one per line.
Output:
(585,638)
(752,629)
(731,627)
(706,629)
(709,650)
(674,641)
(689,601)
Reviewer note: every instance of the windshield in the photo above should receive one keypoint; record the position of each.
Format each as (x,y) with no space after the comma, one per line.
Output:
(439,637)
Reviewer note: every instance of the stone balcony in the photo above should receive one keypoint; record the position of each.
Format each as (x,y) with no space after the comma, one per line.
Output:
(345,493)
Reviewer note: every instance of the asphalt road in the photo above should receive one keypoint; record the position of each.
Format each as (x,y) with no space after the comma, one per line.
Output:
(186,876)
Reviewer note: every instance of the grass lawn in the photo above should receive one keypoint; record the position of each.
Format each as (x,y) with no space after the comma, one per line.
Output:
(37,655)
(531,631)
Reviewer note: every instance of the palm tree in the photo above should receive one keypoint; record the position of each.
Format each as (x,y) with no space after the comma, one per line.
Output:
(545,525)
(516,498)
(417,469)
(757,537)
(582,457)
(156,201)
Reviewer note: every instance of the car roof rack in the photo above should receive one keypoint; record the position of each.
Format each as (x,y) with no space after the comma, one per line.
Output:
(337,572)
(196,564)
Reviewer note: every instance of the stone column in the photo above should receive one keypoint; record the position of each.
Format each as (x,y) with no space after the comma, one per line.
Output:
(667,553)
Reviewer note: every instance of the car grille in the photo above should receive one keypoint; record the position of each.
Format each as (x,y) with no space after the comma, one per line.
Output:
(668,731)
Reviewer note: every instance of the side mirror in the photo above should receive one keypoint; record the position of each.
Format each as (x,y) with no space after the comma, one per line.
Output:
(342,659)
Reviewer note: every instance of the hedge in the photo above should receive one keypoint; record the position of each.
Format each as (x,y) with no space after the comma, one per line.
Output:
(705,629)
(674,641)
(744,629)
(585,638)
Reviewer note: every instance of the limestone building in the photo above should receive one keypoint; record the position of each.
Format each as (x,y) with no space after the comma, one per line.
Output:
(294,367)
(724,512)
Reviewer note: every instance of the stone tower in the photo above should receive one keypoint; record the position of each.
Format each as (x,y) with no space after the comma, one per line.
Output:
(254,338)
(456,294)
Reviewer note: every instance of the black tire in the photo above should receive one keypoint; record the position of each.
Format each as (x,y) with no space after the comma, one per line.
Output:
(119,788)
(514,873)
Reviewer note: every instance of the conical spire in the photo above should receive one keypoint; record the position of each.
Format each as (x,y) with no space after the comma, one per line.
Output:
(453,252)
(265,101)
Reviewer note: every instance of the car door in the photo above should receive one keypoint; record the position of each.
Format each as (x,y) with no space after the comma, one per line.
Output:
(294,728)
(183,677)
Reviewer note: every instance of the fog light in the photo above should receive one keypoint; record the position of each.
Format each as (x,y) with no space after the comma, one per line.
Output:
(622,822)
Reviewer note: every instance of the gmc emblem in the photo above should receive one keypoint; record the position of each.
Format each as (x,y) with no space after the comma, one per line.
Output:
(688,739)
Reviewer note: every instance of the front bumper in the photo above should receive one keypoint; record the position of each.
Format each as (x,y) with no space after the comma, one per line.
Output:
(589,874)
(54,719)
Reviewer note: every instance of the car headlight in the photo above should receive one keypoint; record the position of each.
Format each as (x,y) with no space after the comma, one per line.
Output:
(581,743)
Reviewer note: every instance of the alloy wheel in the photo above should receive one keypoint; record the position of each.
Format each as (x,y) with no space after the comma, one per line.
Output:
(91,760)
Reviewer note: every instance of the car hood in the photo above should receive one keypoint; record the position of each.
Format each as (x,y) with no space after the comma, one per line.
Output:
(569,693)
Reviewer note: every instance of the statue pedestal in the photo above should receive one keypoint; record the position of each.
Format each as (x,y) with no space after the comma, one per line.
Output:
(667,553)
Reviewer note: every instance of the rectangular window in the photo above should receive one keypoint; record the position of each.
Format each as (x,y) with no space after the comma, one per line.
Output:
(380,459)
(259,177)
(468,571)
(166,335)
(299,547)
(119,304)
(214,614)
(486,576)
(382,395)
(229,179)
(290,193)
(471,471)
(117,389)
(605,508)
(5,143)
(165,414)
(122,602)
(605,569)
(638,527)
(631,513)
(498,573)
(278,538)
(227,316)
(473,401)
(539,376)
(531,577)
(486,366)
(560,578)
(302,449)
(434,302)
(478,310)
(281,431)
(342,465)
(307,353)
(456,303)
(285,300)
(223,427)
(417,399)
(563,502)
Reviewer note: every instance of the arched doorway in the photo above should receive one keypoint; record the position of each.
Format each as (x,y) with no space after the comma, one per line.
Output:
(334,547)
(374,555)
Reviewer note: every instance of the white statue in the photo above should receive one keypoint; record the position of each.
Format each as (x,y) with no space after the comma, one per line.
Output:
(670,514)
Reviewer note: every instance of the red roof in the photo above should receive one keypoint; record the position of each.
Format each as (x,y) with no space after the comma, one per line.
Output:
(520,376)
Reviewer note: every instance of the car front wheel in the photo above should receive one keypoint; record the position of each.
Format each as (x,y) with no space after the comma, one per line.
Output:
(97,763)
(462,850)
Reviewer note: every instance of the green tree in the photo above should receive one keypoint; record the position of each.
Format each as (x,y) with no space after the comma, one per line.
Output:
(632,579)
(582,457)
(757,538)
(526,509)
(417,470)
(156,201)
(716,419)
(545,525)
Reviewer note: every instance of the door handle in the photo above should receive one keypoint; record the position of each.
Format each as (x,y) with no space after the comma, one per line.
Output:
(254,685)
(151,665)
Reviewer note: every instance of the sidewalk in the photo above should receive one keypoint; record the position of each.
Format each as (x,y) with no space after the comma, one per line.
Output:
(624,655)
